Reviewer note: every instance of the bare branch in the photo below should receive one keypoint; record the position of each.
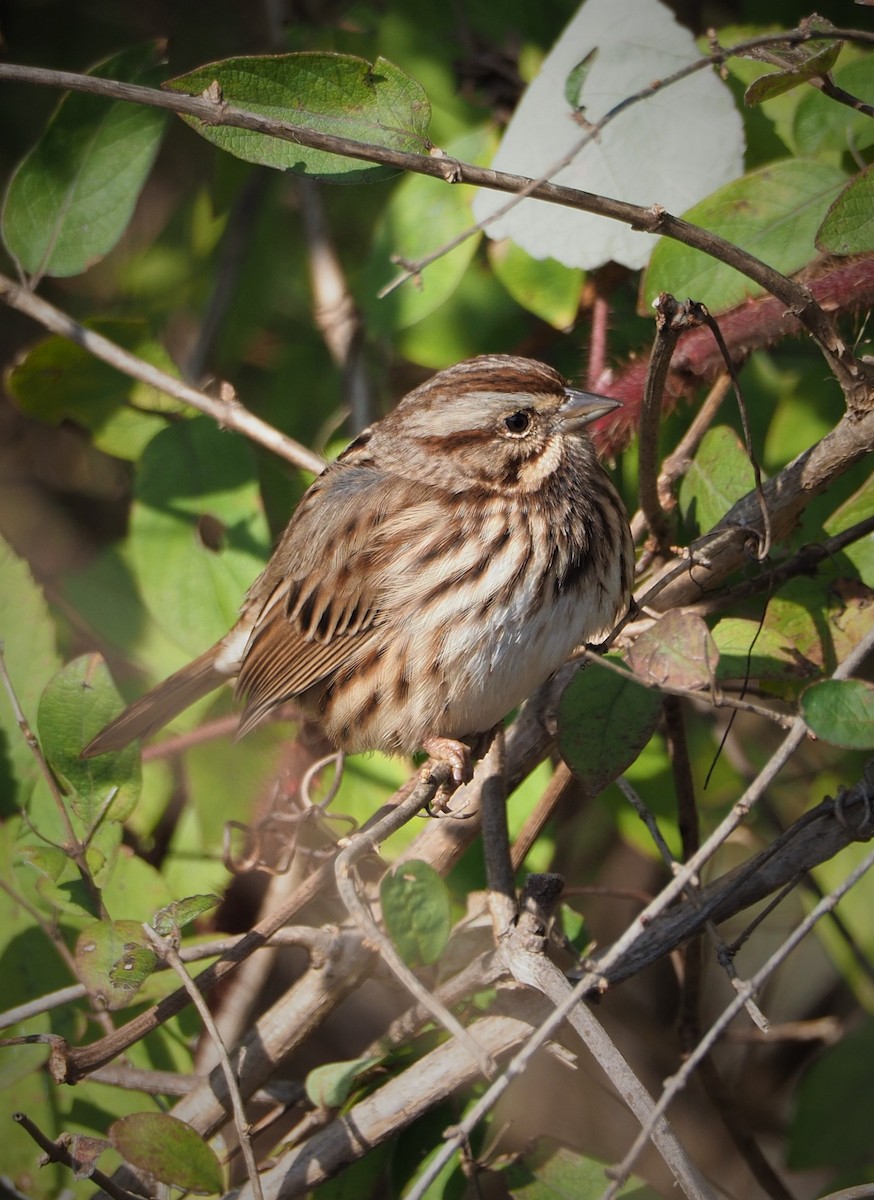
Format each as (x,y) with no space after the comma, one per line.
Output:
(59,1153)
(169,953)
(227,414)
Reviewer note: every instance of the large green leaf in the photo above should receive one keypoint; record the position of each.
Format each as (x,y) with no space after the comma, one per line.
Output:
(198,536)
(73,195)
(773,213)
(339,94)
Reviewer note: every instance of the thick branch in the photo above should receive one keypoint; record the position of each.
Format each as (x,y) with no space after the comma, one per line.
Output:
(786,495)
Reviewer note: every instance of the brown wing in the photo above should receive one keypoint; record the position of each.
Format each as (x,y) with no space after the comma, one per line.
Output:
(327,589)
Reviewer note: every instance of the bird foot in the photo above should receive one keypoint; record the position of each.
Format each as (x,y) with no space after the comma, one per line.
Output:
(453,752)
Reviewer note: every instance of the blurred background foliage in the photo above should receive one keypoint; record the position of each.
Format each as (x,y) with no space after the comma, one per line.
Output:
(213,274)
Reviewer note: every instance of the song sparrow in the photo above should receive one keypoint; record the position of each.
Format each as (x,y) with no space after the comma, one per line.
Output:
(441,569)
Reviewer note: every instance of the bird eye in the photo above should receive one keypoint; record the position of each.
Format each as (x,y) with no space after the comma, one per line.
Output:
(517,422)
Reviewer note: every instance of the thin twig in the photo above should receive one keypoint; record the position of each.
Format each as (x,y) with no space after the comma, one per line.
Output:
(764,547)
(228,414)
(723,550)
(679,1080)
(804,562)
(166,950)
(850,373)
(672,319)
(724,957)
(560,784)
(358,847)
(714,698)
(60,1154)
(717,57)
(677,462)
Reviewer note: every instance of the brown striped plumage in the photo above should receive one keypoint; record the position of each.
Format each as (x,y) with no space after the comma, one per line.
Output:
(442,568)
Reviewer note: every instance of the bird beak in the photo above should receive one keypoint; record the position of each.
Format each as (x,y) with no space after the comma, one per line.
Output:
(582,407)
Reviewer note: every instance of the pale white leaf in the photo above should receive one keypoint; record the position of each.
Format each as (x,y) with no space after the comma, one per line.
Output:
(671,149)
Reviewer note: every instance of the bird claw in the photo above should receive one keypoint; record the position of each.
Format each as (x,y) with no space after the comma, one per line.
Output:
(453,752)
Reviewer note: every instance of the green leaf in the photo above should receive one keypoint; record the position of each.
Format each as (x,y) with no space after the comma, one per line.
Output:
(73,195)
(49,861)
(78,702)
(796,615)
(416,911)
(198,536)
(576,79)
(339,94)
(831,1126)
(605,718)
(556,1173)
(773,213)
(544,287)
(169,1149)
(848,227)
(329,1086)
(180,913)
(113,960)
(422,215)
(859,507)
(58,380)
(28,638)
(766,652)
(678,650)
(822,127)
(136,889)
(718,476)
(841,711)
(575,929)
(774,84)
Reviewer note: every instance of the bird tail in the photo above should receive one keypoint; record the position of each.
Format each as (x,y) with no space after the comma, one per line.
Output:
(159,706)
